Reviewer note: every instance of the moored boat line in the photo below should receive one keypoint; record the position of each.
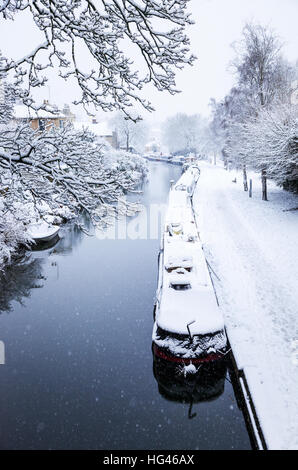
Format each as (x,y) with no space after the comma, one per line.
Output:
(165,159)
(188,322)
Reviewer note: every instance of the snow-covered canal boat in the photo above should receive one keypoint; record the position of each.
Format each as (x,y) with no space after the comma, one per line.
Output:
(43,232)
(188,323)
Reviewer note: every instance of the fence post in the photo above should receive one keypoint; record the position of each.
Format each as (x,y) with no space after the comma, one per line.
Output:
(245,186)
(264,185)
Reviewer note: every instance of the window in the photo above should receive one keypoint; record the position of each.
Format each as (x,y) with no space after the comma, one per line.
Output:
(41,124)
(180,286)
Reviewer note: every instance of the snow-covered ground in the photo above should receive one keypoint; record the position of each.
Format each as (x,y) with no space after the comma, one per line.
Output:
(252,246)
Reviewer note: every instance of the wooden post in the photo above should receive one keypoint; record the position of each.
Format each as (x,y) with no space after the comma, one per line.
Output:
(264,186)
(250,188)
(245,185)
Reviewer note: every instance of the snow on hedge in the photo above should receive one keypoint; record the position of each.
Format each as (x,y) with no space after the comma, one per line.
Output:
(12,234)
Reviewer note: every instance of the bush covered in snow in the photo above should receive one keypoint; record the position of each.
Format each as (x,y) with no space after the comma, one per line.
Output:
(12,235)
(134,165)
(271,143)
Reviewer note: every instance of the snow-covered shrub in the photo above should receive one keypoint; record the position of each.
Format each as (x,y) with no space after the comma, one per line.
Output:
(274,140)
(12,234)
(131,163)
(132,167)
(270,142)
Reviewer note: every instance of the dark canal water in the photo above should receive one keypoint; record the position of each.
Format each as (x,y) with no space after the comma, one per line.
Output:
(76,321)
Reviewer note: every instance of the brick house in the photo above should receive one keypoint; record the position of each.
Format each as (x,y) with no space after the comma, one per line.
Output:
(43,120)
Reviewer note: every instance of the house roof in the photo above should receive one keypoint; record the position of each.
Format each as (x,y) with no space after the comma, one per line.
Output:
(23,112)
(101,129)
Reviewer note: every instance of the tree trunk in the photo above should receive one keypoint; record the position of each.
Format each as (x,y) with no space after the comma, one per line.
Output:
(250,188)
(214,158)
(264,186)
(245,185)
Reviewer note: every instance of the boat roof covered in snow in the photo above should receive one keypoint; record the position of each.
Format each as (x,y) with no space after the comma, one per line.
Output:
(43,232)
(186,300)
(192,307)
(188,180)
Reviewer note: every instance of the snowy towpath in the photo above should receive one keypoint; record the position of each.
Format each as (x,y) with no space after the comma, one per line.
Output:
(253,248)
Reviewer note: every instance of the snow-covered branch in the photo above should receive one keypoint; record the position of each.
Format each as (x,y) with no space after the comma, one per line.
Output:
(99,31)
(60,167)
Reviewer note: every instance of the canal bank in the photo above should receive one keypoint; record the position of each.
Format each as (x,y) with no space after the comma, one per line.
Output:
(80,373)
(255,280)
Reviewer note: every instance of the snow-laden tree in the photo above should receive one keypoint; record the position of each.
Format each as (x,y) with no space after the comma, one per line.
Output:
(270,142)
(58,172)
(111,49)
(61,167)
(94,42)
(131,133)
(7,97)
(184,133)
(260,67)
(263,82)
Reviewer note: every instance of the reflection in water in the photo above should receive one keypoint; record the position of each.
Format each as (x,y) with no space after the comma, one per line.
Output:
(78,371)
(17,281)
(45,245)
(70,237)
(174,385)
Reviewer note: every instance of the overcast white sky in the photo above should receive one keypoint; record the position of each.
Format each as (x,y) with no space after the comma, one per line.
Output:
(218,24)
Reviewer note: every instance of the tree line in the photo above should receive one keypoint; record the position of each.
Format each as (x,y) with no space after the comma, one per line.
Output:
(256,125)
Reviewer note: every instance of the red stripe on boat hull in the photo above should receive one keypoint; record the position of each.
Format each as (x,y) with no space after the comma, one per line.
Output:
(196,360)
